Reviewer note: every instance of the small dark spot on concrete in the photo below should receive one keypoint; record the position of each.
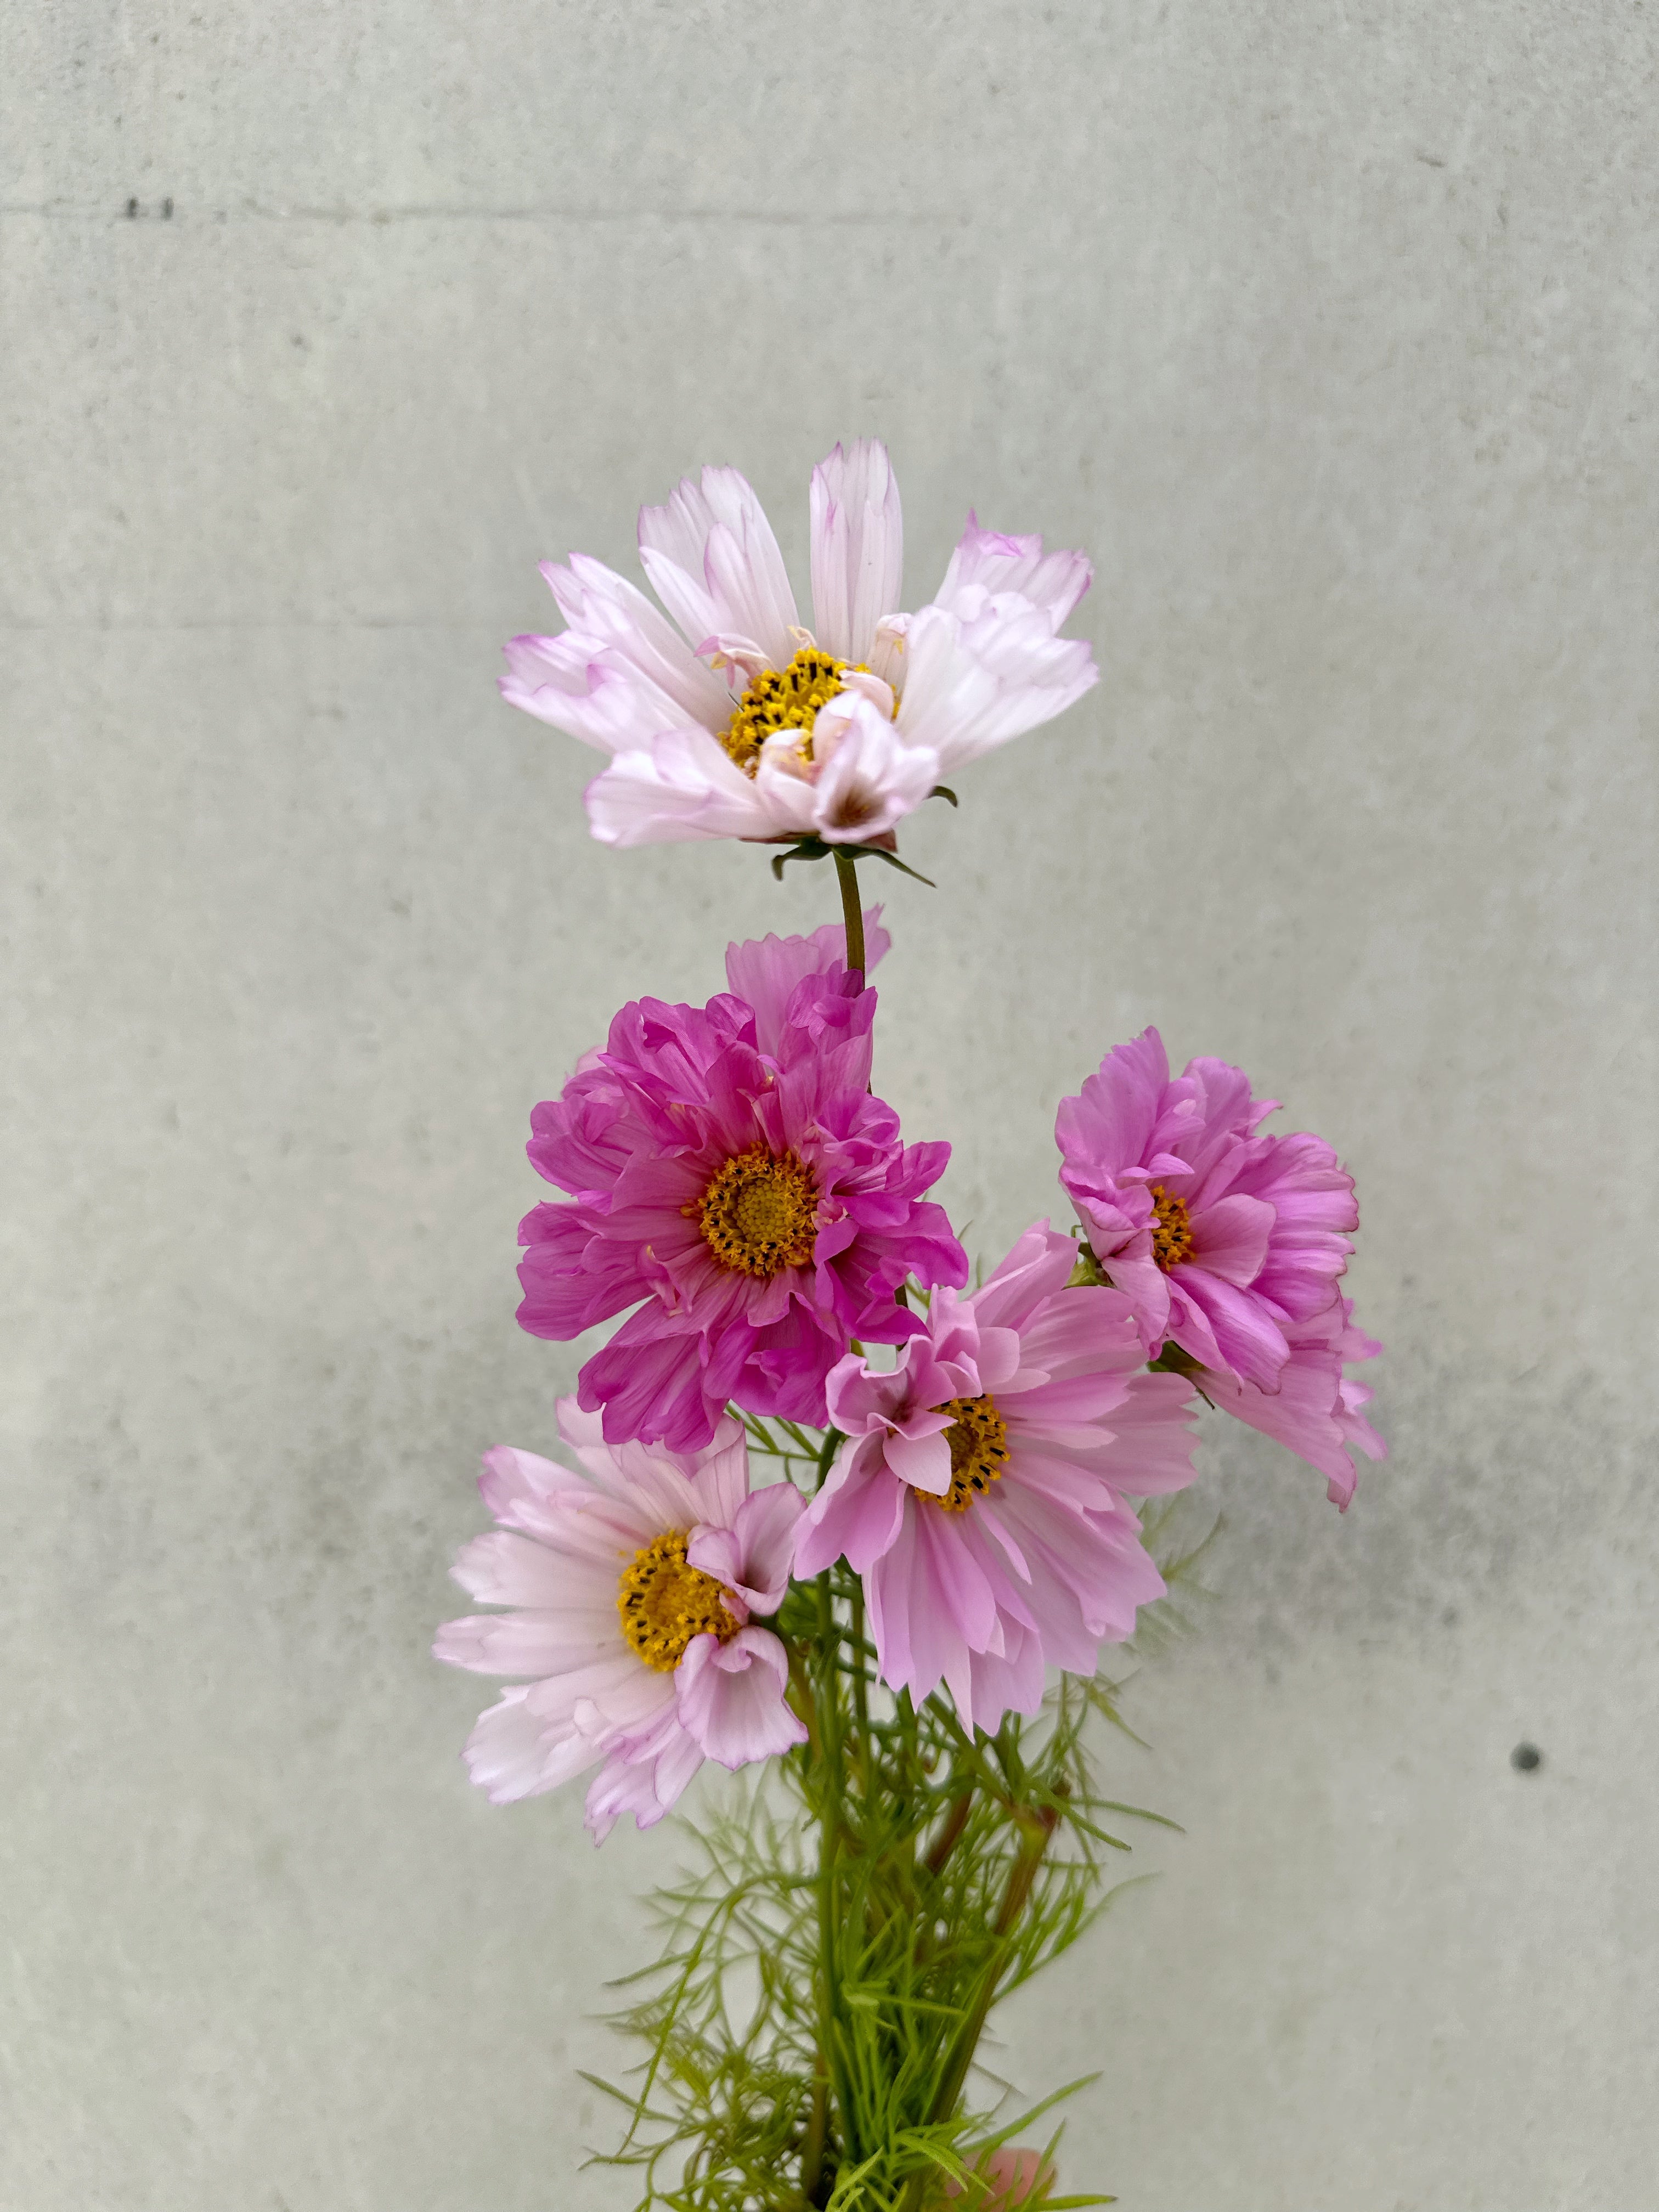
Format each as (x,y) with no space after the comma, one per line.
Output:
(1525,1758)
(167,210)
(132,211)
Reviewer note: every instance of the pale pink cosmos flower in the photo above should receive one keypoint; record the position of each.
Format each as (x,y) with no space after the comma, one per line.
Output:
(981,1493)
(1314,1409)
(742,723)
(732,1177)
(1220,1238)
(632,1588)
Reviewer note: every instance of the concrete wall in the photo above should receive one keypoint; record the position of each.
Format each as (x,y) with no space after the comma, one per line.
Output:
(1329,331)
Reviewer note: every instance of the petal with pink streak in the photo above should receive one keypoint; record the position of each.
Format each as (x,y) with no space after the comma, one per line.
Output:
(992,561)
(858,548)
(1246,1336)
(681,787)
(505,1568)
(713,563)
(922,1461)
(1107,1126)
(1230,1238)
(730,1699)
(858,1514)
(511,1755)
(868,777)
(755,1555)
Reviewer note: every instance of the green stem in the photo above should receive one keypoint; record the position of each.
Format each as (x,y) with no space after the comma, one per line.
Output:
(1034,1841)
(832,1784)
(954,1822)
(811,2157)
(847,872)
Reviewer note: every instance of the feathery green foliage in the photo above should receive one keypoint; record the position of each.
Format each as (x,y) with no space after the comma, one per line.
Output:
(828,1967)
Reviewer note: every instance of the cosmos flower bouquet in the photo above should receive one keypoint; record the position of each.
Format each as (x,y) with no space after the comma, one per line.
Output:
(822,1515)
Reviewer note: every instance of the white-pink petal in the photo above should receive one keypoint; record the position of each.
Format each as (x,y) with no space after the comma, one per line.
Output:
(684,788)
(713,563)
(731,1697)
(858,548)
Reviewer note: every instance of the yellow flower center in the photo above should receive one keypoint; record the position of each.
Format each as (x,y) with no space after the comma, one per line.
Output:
(663,1603)
(978,1437)
(1172,1235)
(782,699)
(759,1214)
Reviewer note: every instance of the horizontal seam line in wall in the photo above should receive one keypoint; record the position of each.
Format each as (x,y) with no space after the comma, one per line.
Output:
(252,622)
(855,218)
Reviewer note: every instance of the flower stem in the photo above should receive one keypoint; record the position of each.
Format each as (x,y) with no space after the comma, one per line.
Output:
(847,872)
(1035,1831)
(954,1822)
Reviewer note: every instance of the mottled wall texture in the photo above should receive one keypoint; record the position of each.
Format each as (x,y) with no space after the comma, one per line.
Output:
(1330,330)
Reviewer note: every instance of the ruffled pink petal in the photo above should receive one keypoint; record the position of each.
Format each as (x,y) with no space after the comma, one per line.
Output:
(616,616)
(1108,1126)
(1247,1338)
(989,561)
(922,1461)
(684,788)
(867,777)
(586,690)
(764,971)
(730,1700)
(505,1568)
(858,548)
(645,1774)
(858,1514)
(1230,1238)
(713,563)
(968,687)
(511,1755)
(538,1643)
(753,1556)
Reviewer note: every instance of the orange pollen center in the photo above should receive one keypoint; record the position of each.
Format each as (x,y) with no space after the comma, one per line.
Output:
(759,1214)
(663,1603)
(978,1437)
(1172,1234)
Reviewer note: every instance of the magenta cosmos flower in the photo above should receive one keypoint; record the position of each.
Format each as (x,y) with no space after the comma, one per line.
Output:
(981,1493)
(742,723)
(1314,1409)
(631,1588)
(728,1167)
(1219,1239)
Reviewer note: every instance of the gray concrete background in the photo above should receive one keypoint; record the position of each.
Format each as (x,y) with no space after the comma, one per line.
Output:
(1329,332)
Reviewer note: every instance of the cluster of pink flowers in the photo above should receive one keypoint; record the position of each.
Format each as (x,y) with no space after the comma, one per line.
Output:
(733,1187)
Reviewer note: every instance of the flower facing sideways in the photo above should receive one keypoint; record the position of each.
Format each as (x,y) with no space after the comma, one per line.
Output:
(740,722)
(732,1177)
(632,1588)
(981,1493)
(1315,1409)
(1219,1237)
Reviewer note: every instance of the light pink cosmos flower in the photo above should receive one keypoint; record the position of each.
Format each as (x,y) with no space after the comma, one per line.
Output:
(1314,1409)
(1219,1239)
(740,722)
(631,1588)
(731,1176)
(980,1491)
